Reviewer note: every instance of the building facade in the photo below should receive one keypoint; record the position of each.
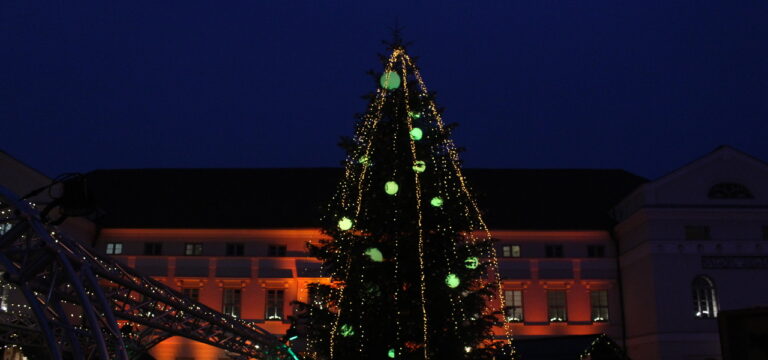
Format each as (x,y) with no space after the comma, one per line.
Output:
(581,252)
(691,244)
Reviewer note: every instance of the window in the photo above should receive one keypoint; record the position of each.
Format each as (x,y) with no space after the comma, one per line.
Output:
(514,301)
(704,298)
(276,250)
(193,249)
(231,301)
(153,248)
(235,249)
(274,305)
(729,191)
(697,232)
(510,251)
(4,227)
(114,248)
(554,250)
(599,301)
(595,251)
(192,293)
(556,306)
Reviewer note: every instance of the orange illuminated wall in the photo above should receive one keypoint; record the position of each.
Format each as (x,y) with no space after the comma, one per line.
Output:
(533,273)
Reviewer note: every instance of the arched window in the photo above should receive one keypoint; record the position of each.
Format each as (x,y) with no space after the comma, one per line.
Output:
(727,190)
(704,297)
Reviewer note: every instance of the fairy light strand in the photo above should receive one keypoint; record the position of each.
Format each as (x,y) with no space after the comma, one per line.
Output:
(483,227)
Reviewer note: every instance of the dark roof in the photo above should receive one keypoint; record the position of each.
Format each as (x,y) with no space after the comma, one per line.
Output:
(286,198)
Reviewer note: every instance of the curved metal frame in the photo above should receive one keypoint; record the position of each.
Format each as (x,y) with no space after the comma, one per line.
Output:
(57,274)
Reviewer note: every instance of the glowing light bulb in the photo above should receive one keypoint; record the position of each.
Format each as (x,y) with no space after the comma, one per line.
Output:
(390,80)
(345,223)
(436,201)
(374,254)
(347,331)
(452,281)
(416,134)
(419,166)
(391,187)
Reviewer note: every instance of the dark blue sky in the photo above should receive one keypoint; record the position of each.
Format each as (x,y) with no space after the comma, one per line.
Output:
(645,86)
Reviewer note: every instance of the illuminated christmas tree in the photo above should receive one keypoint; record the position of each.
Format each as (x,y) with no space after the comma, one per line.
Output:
(410,257)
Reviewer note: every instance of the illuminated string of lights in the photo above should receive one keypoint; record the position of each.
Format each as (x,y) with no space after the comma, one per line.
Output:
(420,216)
(451,147)
(363,159)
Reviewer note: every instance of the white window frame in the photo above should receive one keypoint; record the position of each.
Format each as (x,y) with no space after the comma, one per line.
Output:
(557,312)
(705,304)
(114,248)
(513,299)
(598,300)
(510,251)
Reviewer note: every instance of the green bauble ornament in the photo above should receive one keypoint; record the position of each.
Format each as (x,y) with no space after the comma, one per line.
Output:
(390,80)
(472,262)
(436,201)
(391,187)
(364,160)
(452,281)
(347,330)
(416,134)
(374,254)
(345,223)
(391,353)
(414,114)
(419,166)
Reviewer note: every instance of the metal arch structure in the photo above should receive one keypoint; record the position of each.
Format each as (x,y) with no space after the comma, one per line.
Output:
(89,306)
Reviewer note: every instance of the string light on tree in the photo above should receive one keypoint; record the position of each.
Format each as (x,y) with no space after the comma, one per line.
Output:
(424,246)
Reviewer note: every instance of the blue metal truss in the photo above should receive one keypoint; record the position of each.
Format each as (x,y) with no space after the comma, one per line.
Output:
(89,306)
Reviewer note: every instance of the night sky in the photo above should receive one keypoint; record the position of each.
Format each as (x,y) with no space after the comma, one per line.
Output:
(645,86)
